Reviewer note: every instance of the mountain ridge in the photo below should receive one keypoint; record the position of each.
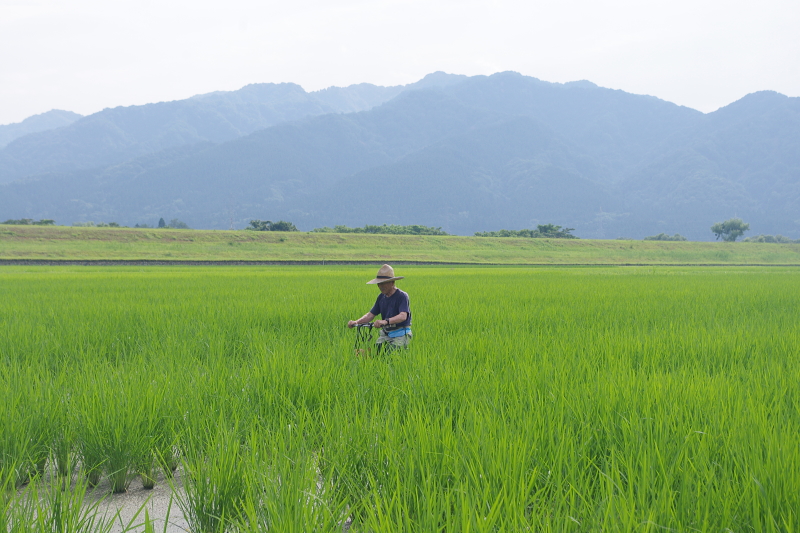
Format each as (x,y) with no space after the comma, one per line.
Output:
(120,133)
(468,154)
(55,118)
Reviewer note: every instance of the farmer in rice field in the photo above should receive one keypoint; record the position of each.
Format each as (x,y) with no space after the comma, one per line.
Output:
(392,305)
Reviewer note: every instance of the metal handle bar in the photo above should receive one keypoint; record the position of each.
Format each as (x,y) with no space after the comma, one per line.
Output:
(363,336)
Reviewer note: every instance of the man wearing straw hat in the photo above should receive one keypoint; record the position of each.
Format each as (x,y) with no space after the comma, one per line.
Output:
(392,305)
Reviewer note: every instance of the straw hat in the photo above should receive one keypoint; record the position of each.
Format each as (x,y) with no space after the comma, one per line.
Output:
(386,273)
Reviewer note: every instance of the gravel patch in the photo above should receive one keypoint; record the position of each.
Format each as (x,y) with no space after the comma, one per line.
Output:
(156,501)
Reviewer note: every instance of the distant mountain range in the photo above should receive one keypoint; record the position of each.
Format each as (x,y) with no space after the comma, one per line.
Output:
(465,153)
(116,135)
(43,122)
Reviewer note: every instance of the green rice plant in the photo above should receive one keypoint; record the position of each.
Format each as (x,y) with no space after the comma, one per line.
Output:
(148,523)
(157,450)
(91,454)
(114,417)
(8,495)
(287,490)
(20,511)
(168,459)
(164,431)
(40,428)
(91,436)
(147,469)
(63,448)
(64,440)
(24,428)
(58,505)
(59,509)
(154,429)
(214,478)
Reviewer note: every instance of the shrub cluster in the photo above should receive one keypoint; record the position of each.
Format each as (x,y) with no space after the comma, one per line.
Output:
(97,225)
(177,224)
(666,237)
(542,231)
(268,225)
(173,224)
(30,222)
(770,238)
(385,229)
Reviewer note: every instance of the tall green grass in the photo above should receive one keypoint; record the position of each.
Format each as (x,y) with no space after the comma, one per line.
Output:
(531,399)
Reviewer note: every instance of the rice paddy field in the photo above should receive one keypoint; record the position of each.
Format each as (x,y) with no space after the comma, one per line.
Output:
(531,399)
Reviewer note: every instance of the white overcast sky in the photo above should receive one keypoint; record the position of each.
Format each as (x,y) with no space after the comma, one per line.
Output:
(85,55)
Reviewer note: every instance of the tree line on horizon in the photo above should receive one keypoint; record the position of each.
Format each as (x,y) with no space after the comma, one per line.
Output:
(729,230)
(173,224)
(29,222)
(385,229)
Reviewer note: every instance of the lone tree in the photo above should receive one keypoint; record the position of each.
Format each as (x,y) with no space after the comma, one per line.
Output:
(161,223)
(731,229)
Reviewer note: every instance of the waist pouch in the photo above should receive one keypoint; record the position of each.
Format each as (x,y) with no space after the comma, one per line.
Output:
(399,332)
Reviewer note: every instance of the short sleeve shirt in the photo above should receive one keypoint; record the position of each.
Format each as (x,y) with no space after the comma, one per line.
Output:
(392,306)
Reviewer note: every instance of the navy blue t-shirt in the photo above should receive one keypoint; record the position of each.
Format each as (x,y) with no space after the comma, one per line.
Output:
(392,306)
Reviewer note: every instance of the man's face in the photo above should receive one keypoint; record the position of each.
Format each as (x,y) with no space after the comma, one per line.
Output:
(386,288)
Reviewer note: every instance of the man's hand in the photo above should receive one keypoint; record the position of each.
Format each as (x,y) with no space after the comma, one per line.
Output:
(381,323)
(363,320)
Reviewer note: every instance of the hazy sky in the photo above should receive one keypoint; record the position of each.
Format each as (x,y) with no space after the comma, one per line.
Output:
(85,55)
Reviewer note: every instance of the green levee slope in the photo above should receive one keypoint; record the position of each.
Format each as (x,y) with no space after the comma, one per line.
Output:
(68,243)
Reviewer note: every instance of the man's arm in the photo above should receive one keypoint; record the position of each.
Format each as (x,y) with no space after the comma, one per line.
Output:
(363,320)
(396,319)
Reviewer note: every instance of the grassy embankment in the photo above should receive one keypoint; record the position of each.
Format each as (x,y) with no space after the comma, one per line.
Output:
(69,243)
(585,399)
